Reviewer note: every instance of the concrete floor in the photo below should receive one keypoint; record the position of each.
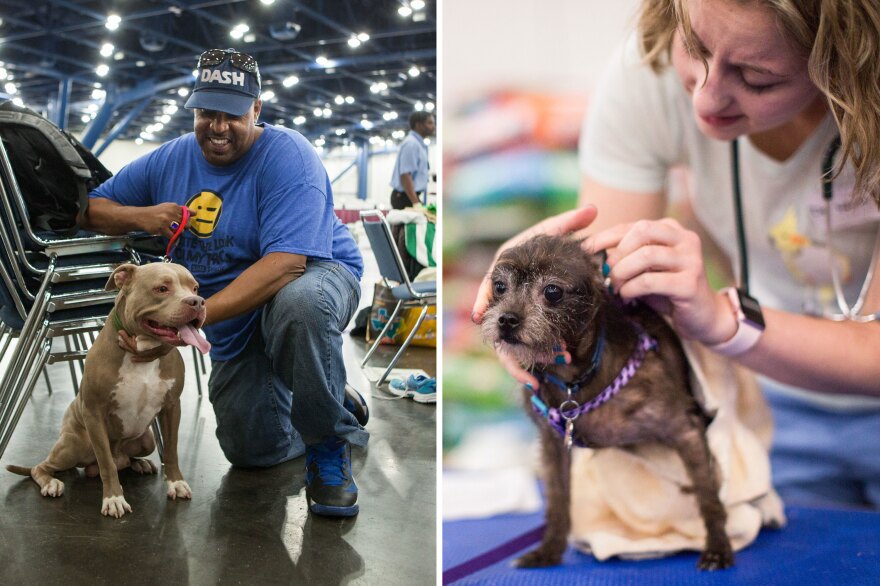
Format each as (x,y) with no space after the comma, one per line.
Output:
(242,526)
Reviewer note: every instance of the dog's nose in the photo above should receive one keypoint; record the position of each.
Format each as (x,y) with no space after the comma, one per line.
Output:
(508,321)
(195,301)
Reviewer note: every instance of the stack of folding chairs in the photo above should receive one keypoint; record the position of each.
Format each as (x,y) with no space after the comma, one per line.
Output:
(52,287)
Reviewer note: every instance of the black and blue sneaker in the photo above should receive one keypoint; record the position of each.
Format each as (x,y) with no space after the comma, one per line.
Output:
(354,402)
(330,487)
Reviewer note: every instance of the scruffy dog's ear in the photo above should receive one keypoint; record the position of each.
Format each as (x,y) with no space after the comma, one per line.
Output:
(121,275)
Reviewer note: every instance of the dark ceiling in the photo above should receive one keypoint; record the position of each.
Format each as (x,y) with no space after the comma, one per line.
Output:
(53,47)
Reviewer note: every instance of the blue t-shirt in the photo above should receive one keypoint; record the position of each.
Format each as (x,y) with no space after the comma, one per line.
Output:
(412,158)
(276,198)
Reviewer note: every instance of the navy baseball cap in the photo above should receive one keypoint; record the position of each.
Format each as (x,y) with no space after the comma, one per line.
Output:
(228,81)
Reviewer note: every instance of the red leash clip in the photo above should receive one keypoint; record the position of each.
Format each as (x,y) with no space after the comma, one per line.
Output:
(173,242)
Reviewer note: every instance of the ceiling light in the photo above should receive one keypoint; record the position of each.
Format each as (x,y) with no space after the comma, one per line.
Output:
(139,141)
(392,115)
(113,21)
(375,140)
(419,106)
(429,106)
(320,142)
(414,71)
(195,73)
(250,38)
(18,102)
(165,119)
(140,63)
(323,61)
(92,108)
(299,120)
(119,56)
(98,94)
(317,112)
(290,81)
(239,30)
(267,96)
(354,42)
(379,86)
(102,69)
(11,89)
(366,124)
(363,37)
(170,109)
(85,118)
(340,131)
(183,92)
(339,100)
(3,73)
(398,134)
(349,99)
(417,4)
(268,2)
(107,49)
(327,112)
(147,136)
(404,11)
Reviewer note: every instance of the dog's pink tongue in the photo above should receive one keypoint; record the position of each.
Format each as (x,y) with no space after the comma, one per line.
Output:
(191,336)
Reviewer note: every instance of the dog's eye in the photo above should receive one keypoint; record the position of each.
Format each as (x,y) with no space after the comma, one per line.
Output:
(162,289)
(553,293)
(499,288)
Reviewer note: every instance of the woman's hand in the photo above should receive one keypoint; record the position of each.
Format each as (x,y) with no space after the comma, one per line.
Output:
(661,263)
(575,222)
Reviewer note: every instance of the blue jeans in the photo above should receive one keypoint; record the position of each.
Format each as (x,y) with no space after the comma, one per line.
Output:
(286,388)
(822,457)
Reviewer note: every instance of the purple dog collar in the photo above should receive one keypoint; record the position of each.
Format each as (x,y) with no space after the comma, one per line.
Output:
(558,417)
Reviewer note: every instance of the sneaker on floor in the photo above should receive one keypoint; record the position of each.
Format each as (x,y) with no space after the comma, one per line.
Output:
(422,389)
(355,403)
(330,487)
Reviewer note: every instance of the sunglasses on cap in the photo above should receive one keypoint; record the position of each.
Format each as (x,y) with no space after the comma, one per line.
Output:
(241,61)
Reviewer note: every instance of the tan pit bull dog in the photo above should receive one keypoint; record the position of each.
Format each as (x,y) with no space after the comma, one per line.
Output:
(108,424)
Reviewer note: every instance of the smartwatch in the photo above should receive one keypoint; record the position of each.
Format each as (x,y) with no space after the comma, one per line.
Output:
(749,320)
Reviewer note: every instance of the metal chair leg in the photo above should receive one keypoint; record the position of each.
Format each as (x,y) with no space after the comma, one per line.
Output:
(403,346)
(160,443)
(196,369)
(72,367)
(382,333)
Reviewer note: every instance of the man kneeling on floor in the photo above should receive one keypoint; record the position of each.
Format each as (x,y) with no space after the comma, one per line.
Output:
(279,271)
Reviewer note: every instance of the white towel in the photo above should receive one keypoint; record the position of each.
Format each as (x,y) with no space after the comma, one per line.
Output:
(629,503)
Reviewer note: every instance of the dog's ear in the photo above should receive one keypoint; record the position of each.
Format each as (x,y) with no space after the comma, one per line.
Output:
(121,275)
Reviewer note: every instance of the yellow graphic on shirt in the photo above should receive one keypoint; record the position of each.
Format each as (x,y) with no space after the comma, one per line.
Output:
(807,262)
(207,207)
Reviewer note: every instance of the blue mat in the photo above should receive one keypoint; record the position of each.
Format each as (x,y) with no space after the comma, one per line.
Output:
(818,546)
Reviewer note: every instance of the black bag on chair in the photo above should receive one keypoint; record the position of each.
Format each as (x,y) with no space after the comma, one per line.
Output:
(54,171)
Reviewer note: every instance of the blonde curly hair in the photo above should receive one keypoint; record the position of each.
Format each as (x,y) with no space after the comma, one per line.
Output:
(841,39)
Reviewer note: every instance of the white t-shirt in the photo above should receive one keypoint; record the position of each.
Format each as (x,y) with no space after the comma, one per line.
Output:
(641,123)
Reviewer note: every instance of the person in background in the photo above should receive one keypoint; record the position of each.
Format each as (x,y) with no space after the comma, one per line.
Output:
(409,181)
(780,81)
(280,274)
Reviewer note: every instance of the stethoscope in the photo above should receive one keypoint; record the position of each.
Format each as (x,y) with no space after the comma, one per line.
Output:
(847,312)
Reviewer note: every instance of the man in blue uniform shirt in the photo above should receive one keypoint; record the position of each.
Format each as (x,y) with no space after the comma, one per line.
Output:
(410,177)
(279,272)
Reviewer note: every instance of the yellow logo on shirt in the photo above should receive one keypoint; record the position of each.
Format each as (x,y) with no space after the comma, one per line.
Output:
(207,206)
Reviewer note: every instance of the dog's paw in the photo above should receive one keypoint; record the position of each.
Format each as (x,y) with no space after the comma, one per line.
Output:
(179,489)
(143,466)
(115,506)
(716,558)
(53,488)
(538,558)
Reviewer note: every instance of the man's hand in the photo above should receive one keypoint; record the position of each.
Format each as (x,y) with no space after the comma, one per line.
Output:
(129,344)
(157,219)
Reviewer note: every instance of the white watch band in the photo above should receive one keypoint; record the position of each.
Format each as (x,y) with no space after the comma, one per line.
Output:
(746,336)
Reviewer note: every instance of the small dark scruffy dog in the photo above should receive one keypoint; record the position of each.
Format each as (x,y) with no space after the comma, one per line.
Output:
(548,290)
